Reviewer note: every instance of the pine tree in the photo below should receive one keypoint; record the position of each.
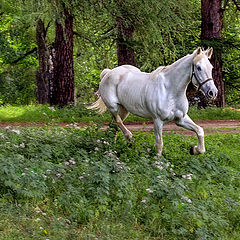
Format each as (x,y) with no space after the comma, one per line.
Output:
(211,30)
(63,74)
(44,73)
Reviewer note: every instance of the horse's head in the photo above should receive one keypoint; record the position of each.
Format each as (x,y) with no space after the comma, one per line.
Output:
(202,73)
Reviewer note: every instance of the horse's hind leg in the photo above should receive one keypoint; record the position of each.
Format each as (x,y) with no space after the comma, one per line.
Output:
(123,112)
(119,113)
(122,115)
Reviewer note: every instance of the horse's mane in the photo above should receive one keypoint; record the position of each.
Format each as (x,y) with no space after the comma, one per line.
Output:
(160,69)
(157,71)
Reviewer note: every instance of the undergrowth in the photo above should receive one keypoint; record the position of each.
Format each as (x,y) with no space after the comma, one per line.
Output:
(58,183)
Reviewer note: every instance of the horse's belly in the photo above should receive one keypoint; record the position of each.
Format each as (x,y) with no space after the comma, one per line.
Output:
(138,110)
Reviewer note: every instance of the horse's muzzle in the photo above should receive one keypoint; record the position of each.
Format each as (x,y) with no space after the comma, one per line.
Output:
(212,94)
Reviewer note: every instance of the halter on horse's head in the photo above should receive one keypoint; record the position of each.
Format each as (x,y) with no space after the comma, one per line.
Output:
(202,73)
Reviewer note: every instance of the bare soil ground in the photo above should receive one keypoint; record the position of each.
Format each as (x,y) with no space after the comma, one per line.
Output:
(210,126)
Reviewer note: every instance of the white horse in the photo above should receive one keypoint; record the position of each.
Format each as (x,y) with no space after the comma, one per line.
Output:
(160,95)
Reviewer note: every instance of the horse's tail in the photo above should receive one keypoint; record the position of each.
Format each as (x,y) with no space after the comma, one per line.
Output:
(98,106)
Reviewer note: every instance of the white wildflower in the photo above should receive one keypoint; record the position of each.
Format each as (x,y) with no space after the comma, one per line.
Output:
(187,176)
(38,219)
(22,145)
(149,190)
(66,163)
(23,174)
(81,177)
(72,161)
(2,135)
(58,175)
(144,201)
(159,165)
(186,199)
(52,109)
(172,172)
(98,141)
(16,131)
(106,143)
(119,165)
(96,149)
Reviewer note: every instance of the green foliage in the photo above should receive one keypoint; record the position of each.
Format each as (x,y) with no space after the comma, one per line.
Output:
(163,32)
(59,178)
(213,113)
(17,84)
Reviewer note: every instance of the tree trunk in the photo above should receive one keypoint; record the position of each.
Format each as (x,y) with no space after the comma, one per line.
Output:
(43,59)
(211,33)
(125,51)
(63,74)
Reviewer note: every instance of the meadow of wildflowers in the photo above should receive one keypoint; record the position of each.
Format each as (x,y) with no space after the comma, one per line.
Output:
(68,183)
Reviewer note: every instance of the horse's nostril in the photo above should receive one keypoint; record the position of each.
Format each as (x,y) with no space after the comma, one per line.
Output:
(210,93)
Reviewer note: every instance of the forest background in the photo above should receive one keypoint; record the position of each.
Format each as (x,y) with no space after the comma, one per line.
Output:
(54,51)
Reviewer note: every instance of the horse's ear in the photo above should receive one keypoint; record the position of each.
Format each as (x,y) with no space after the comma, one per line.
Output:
(198,51)
(209,52)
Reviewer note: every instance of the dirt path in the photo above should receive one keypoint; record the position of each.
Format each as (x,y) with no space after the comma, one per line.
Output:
(210,126)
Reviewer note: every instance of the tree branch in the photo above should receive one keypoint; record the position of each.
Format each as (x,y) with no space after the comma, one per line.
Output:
(81,36)
(25,55)
(46,29)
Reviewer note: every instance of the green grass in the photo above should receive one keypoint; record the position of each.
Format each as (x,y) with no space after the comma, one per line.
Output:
(44,113)
(213,113)
(58,183)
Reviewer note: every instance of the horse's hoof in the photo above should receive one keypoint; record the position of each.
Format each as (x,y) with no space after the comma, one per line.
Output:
(192,151)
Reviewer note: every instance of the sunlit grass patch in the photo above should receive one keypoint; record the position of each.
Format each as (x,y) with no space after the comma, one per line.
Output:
(79,113)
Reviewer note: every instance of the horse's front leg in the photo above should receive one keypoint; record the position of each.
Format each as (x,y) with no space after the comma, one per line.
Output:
(158,125)
(187,123)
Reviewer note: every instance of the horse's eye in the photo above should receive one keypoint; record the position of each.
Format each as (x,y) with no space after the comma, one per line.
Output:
(199,68)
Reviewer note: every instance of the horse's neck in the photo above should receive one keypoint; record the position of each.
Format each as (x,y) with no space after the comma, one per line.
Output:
(179,74)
